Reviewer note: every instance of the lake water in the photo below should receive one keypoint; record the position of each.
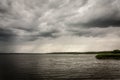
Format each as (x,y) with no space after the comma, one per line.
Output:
(57,67)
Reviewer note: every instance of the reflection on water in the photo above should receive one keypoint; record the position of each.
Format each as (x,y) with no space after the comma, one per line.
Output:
(57,67)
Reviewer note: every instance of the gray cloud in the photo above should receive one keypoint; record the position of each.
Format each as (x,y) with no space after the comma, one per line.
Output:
(97,14)
(29,16)
(27,21)
(49,34)
(95,32)
(4,6)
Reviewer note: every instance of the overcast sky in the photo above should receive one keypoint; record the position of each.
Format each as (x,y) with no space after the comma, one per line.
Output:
(59,25)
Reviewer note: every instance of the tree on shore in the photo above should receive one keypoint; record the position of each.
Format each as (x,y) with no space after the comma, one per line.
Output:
(116,51)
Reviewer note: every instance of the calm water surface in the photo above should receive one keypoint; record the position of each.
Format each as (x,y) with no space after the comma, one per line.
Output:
(57,67)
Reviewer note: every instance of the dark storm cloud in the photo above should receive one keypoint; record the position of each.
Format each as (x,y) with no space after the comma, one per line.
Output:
(6,40)
(6,35)
(103,23)
(99,23)
(3,10)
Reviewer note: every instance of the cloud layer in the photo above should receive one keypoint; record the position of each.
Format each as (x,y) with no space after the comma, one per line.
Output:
(32,24)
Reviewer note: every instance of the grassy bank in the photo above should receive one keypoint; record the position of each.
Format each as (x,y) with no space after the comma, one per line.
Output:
(108,56)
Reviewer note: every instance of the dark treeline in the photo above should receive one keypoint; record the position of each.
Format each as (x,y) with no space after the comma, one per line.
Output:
(93,52)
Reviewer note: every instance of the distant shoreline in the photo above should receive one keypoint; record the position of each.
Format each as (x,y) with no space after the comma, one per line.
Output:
(99,52)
